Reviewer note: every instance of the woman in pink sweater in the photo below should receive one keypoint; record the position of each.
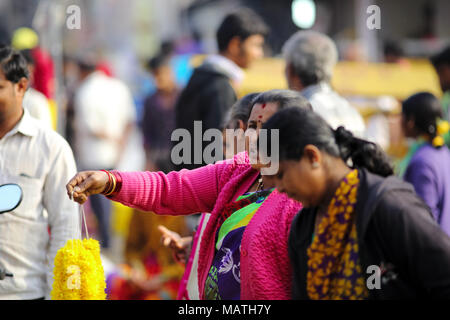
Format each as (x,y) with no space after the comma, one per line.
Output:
(243,254)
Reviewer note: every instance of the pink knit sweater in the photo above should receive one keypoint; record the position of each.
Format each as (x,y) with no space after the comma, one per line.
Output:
(265,268)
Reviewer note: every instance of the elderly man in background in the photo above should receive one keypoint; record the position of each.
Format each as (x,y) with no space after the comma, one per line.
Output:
(310,59)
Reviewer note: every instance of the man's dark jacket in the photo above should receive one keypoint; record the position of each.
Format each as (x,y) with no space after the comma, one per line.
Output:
(396,232)
(207,97)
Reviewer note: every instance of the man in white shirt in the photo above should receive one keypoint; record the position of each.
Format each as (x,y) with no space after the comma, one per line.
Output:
(104,118)
(41,162)
(310,59)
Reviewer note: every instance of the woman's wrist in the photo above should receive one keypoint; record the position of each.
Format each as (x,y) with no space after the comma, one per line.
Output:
(117,184)
(111,185)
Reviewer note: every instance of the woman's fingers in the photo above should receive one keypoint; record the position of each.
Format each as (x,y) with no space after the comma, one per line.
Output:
(80,198)
(86,183)
(78,178)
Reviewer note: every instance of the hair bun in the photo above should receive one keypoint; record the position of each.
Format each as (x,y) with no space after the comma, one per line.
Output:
(343,136)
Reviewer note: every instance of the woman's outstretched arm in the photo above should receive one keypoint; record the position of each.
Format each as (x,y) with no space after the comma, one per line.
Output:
(175,193)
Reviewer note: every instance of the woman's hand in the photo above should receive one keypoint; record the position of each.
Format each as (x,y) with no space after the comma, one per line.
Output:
(179,245)
(86,183)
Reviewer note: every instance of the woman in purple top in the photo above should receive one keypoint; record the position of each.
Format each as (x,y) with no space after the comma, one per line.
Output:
(427,165)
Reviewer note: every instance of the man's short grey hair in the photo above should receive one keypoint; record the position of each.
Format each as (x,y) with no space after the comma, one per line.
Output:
(311,55)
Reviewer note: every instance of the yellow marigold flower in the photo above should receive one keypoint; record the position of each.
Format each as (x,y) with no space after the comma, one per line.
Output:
(438,141)
(348,271)
(442,127)
(78,272)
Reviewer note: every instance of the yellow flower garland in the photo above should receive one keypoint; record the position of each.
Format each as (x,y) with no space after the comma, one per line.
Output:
(442,128)
(78,272)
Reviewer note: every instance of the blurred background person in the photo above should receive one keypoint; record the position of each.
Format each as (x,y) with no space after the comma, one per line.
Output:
(70,72)
(43,71)
(210,91)
(158,120)
(104,116)
(34,101)
(237,119)
(310,58)
(427,164)
(441,63)
(393,53)
(150,271)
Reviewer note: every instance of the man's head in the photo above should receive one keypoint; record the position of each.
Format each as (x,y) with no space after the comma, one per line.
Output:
(159,67)
(27,54)
(392,52)
(310,58)
(441,63)
(13,82)
(87,64)
(240,37)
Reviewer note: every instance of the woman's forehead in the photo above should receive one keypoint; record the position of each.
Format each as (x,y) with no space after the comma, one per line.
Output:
(263,110)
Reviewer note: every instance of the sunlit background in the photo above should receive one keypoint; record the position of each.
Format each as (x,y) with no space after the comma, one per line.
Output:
(125,34)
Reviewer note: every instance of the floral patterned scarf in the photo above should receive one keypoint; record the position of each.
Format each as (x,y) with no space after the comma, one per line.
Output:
(334,271)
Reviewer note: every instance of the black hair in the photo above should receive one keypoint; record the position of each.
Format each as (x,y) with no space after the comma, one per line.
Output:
(158,61)
(27,54)
(13,64)
(284,99)
(87,61)
(441,58)
(167,48)
(86,66)
(299,127)
(424,108)
(392,48)
(242,24)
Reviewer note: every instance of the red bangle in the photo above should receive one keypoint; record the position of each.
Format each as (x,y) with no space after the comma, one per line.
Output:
(118,183)
(109,185)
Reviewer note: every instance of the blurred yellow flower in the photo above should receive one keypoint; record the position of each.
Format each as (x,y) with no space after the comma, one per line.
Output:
(442,127)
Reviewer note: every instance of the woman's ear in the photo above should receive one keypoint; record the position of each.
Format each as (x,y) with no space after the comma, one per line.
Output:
(313,155)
